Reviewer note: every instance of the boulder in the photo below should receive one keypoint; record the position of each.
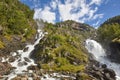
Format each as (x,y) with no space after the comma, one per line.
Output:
(110,72)
(104,66)
(32,67)
(22,63)
(11,59)
(25,49)
(101,73)
(27,59)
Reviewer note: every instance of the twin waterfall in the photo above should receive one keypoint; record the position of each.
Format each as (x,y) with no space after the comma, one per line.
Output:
(98,52)
(92,46)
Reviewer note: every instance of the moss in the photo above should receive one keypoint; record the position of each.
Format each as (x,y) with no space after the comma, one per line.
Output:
(71,68)
(8,37)
(2,45)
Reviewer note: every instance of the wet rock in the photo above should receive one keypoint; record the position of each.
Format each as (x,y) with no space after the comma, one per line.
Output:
(0,59)
(11,59)
(110,72)
(32,67)
(22,63)
(104,66)
(26,49)
(13,68)
(101,73)
(27,59)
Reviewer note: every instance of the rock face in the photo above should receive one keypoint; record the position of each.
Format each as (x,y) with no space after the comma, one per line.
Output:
(114,52)
(109,37)
(102,73)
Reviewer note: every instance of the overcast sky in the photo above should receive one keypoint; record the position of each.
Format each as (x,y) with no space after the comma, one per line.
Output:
(92,12)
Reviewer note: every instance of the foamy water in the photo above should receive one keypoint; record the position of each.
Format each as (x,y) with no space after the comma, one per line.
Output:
(96,49)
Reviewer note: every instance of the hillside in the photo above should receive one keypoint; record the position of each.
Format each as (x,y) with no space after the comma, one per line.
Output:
(62,50)
(16,25)
(109,36)
(58,50)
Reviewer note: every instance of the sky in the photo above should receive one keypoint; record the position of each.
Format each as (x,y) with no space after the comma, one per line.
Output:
(92,12)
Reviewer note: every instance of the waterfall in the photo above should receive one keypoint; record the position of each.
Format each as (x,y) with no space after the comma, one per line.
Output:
(98,52)
(20,63)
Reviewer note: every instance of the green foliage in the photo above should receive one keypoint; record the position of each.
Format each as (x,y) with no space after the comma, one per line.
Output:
(112,20)
(16,18)
(110,30)
(1,45)
(62,48)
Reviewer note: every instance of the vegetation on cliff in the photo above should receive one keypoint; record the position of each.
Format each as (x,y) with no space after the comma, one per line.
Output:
(109,36)
(62,49)
(16,22)
(109,31)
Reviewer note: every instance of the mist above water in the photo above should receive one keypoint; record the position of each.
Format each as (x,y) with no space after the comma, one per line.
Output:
(99,54)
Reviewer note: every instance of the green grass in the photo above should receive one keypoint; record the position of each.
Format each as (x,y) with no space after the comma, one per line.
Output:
(62,49)
(2,45)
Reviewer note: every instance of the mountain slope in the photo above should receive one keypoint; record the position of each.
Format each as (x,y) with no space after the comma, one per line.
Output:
(62,49)
(109,36)
(16,25)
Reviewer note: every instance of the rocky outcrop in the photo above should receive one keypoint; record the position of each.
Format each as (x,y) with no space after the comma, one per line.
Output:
(5,68)
(114,52)
(109,36)
(101,72)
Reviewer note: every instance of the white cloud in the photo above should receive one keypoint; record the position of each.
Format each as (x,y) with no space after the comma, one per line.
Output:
(53,4)
(78,10)
(97,2)
(45,14)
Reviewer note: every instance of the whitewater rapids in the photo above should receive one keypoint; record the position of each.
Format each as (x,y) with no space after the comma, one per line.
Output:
(24,54)
(99,54)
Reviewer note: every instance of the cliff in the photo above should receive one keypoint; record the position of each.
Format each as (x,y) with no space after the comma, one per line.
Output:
(109,36)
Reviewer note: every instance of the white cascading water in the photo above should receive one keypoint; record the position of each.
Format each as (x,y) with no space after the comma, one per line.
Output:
(23,55)
(98,52)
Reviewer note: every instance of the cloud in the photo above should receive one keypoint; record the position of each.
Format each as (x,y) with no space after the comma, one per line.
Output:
(77,10)
(97,2)
(45,14)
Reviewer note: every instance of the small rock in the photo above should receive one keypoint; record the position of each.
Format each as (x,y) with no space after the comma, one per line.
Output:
(111,72)
(11,59)
(104,66)
(27,59)
(22,63)
(26,49)
(32,67)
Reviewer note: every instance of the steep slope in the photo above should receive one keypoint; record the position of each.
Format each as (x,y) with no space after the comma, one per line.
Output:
(16,25)
(62,49)
(109,36)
